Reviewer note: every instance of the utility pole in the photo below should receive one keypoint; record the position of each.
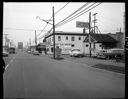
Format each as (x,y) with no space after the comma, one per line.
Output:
(35,39)
(94,25)
(53,34)
(124,29)
(90,33)
(94,20)
(83,40)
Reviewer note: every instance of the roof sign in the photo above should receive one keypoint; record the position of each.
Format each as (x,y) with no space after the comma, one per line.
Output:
(82,24)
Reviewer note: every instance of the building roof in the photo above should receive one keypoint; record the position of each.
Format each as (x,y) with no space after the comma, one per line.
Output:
(67,33)
(101,38)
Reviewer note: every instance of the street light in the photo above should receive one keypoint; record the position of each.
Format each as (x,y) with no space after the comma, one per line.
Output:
(44,20)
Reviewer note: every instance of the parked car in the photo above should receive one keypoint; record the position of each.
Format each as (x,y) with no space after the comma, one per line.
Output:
(5,54)
(115,53)
(36,53)
(112,54)
(12,50)
(100,53)
(76,53)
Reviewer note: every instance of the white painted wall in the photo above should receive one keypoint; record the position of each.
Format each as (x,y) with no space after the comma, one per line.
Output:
(97,47)
(78,44)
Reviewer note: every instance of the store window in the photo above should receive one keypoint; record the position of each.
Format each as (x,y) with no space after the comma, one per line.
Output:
(100,45)
(66,37)
(73,38)
(79,38)
(47,49)
(52,49)
(86,45)
(59,38)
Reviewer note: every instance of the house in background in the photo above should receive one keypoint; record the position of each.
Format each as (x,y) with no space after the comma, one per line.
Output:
(98,42)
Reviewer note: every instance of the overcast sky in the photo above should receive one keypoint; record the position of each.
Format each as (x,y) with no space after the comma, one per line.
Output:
(17,16)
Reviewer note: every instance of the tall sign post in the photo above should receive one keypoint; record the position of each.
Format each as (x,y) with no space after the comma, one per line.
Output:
(53,34)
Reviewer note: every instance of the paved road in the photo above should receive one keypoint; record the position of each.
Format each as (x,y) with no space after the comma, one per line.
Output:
(40,77)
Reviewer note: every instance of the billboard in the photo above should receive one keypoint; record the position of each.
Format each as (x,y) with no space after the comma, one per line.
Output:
(20,45)
(82,24)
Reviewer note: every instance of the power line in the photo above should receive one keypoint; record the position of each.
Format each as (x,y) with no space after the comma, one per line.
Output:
(52,16)
(23,29)
(61,8)
(79,14)
(73,13)
(72,18)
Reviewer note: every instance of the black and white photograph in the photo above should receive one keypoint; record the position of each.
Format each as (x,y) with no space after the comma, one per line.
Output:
(63,50)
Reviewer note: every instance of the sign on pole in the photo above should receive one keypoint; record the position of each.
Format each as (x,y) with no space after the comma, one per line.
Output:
(82,24)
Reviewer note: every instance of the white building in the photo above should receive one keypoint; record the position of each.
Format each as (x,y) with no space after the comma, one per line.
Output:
(66,41)
(70,40)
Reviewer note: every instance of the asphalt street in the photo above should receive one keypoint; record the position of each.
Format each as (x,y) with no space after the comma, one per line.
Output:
(41,77)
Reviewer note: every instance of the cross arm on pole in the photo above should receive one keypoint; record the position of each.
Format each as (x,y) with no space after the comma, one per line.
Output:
(45,20)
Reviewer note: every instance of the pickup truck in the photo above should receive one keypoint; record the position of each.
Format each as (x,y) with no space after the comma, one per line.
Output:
(112,54)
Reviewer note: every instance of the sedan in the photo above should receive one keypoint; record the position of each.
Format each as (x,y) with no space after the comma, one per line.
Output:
(100,53)
(5,54)
(36,53)
(111,54)
(76,53)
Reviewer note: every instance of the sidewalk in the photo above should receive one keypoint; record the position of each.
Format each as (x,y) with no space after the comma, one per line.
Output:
(110,65)
(92,61)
